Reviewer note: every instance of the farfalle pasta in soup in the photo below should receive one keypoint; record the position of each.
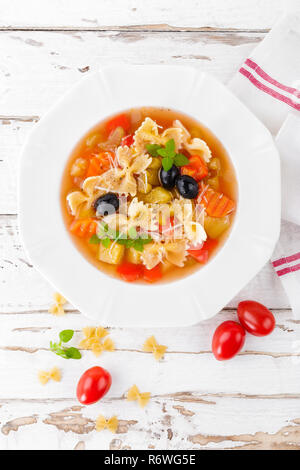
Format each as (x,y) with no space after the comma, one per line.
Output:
(149,195)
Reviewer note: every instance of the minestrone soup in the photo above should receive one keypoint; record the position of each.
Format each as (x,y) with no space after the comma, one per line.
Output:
(149,195)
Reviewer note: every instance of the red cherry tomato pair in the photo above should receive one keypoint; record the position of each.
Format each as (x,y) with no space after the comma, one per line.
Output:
(229,337)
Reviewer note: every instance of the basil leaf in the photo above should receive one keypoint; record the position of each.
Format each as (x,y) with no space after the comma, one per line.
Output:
(162,152)
(181,160)
(152,149)
(73,353)
(132,232)
(106,242)
(170,147)
(122,236)
(57,350)
(94,240)
(167,163)
(122,241)
(146,241)
(111,233)
(66,335)
(138,245)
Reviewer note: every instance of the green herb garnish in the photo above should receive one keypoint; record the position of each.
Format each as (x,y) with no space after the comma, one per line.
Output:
(170,157)
(67,353)
(66,335)
(106,236)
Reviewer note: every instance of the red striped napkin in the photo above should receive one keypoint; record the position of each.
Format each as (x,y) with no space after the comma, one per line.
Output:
(268,82)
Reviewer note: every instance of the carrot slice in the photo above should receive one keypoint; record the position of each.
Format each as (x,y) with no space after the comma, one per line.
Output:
(83,228)
(99,164)
(121,120)
(216,204)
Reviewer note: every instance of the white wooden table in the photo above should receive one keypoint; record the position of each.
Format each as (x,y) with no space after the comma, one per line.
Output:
(252,402)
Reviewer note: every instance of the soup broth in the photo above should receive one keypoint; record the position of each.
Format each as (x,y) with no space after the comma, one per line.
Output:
(94,156)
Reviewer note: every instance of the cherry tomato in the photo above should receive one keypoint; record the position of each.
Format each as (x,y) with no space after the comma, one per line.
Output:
(228,340)
(256,318)
(130,272)
(93,385)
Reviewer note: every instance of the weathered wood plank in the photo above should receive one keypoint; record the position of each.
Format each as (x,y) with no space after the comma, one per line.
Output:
(249,374)
(33,331)
(131,13)
(166,423)
(38,67)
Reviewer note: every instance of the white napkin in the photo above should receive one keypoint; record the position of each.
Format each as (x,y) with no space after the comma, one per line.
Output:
(268,82)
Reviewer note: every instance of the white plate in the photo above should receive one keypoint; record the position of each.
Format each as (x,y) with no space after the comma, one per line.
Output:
(256,227)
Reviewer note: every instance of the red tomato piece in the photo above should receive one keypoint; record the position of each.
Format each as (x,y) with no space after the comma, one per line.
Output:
(130,272)
(93,385)
(197,168)
(203,253)
(199,255)
(154,274)
(228,340)
(121,120)
(210,244)
(127,140)
(256,318)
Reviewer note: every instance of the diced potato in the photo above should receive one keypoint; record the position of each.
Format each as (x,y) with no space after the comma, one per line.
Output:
(214,183)
(134,256)
(155,164)
(215,226)
(112,254)
(215,165)
(79,167)
(84,212)
(143,185)
(158,195)
(153,177)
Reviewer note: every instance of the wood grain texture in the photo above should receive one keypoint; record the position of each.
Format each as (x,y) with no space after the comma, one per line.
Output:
(197,402)
(38,67)
(120,14)
(167,423)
